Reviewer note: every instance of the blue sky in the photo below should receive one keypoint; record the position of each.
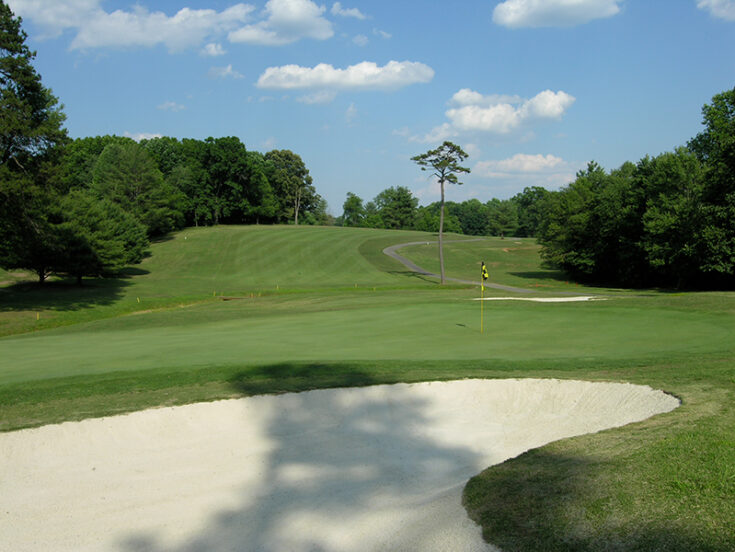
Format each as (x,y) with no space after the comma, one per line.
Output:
(531,89)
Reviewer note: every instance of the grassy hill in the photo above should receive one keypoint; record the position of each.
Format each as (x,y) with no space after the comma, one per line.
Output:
(232,311)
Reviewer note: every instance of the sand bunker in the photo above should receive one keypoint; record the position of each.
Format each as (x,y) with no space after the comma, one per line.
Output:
(377,468)
(570,299)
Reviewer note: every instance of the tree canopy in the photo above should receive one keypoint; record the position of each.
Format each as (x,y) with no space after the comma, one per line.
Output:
(444,161)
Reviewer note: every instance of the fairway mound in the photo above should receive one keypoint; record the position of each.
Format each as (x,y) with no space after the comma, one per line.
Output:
(373,468)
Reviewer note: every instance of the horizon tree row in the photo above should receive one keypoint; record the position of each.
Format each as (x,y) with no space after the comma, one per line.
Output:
(170,183)
(397,208)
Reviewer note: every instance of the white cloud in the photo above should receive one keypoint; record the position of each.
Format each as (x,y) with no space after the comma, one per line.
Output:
(351,113)
(435,135)
(724,9)
(213,49)
(472,149)
(337,9)
(552,13)
(55,17)
(470,97)
(96,28)
(504,114)
(138,136)
(170,106)
(140,27)
(224,72)
(365,75)
(286,21)
(382,34)
(320,97)
(360,40)
(523,170)
(520,163)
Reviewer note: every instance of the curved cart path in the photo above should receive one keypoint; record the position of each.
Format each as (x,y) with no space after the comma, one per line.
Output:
(392,252)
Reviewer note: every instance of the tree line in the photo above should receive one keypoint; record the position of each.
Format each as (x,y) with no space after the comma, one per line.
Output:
(664,221)
(170,183)
(398,208)
(88,207)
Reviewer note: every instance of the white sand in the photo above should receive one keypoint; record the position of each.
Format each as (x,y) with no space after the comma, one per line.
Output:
(570,299)
(377,468)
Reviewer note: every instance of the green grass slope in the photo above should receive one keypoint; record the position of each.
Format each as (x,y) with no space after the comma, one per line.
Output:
(196,264)
(323,307)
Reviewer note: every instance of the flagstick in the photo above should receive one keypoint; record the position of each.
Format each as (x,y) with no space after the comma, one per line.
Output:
(482,306)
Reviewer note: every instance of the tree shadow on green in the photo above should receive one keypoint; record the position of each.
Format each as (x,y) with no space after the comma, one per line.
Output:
(64,295)
(549,501)
(360,450)
(414,275)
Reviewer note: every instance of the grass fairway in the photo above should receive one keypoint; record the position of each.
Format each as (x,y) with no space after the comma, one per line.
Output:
(323,307)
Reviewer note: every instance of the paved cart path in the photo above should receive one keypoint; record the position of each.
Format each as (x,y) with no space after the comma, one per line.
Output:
(392,252)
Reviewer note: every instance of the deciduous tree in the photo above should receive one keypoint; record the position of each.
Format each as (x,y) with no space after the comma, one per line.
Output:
(291,182)
(353,211)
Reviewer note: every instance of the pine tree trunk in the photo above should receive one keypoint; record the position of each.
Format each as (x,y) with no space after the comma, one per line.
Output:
(441,236)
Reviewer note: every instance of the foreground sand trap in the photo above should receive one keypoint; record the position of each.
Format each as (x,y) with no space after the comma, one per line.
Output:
(545,299)
(376,468)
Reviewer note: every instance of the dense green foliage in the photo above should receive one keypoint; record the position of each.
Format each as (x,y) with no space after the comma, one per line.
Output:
(44,227)
(667,220)
(30,135)
(517,216)
(77,207)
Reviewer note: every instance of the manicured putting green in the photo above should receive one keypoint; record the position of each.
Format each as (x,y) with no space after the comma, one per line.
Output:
(423,329)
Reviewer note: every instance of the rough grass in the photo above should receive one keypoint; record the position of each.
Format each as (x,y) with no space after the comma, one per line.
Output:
(313,308)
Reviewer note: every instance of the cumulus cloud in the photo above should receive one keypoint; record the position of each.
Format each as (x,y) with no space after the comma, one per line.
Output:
(286,21)
(337,9)
(224,72)
(213,49)
(97,28)
(365,75)
(351,113)
(525,169)
(170,106)
(723,9)
(503,114)
(360,40)
(435,135)
(55,17)
(138,136)
(520,163)
(553,13)
(321,97)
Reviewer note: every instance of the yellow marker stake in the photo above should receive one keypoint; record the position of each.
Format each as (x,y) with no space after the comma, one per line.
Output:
(38,316)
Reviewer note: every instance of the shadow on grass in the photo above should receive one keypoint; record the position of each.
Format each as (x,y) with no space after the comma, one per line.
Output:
(555,275)
(415,275)
(356,451)
(554,502)
(64,295)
